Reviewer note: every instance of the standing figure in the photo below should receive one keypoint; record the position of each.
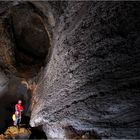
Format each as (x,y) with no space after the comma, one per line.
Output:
(18,112)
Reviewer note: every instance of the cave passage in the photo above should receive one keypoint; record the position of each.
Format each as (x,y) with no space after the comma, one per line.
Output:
(14,91)
(30,45)
(31,40)
(17,90)
(74,65)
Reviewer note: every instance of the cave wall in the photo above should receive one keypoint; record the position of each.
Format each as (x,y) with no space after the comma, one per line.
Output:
(90,84)
(91,81)
(11,88)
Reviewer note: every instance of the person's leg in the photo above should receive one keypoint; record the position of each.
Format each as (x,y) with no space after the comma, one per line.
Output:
(19,121)
(16,121)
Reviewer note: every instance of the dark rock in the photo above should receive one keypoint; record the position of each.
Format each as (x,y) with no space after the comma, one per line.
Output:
(6,50)
(17,133)
(29,29)
(31,39)
(92,79)
(90,85)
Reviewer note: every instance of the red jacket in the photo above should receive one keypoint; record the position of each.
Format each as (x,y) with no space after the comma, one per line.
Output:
(19,108)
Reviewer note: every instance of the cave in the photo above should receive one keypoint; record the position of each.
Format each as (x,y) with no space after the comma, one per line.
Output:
(25,58)
(31,39)
(75,66)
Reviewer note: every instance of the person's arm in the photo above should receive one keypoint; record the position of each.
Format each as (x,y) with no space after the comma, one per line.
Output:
(21,108)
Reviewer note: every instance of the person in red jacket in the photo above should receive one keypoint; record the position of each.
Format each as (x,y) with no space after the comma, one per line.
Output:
(19,109)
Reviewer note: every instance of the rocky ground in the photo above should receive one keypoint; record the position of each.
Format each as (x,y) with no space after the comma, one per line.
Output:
(14,132)
(23,131)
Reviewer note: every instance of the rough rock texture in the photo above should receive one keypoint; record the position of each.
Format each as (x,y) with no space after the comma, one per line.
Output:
(3,82)
(16,133)
(30,30)
(31,37)
(91,81)
(90,85)
(6,54)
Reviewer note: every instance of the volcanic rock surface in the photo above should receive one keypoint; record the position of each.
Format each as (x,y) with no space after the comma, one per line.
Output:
(89,84)
(91,81)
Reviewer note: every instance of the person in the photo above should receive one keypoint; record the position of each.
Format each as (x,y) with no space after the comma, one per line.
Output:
(15,118)
(18,112)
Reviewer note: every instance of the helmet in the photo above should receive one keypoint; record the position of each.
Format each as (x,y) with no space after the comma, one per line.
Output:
(19,101)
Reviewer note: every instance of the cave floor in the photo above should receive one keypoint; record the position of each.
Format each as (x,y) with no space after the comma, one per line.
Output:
(23,131)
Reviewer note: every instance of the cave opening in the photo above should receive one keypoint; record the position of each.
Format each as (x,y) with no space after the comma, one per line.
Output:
(31,39)
(29,35)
